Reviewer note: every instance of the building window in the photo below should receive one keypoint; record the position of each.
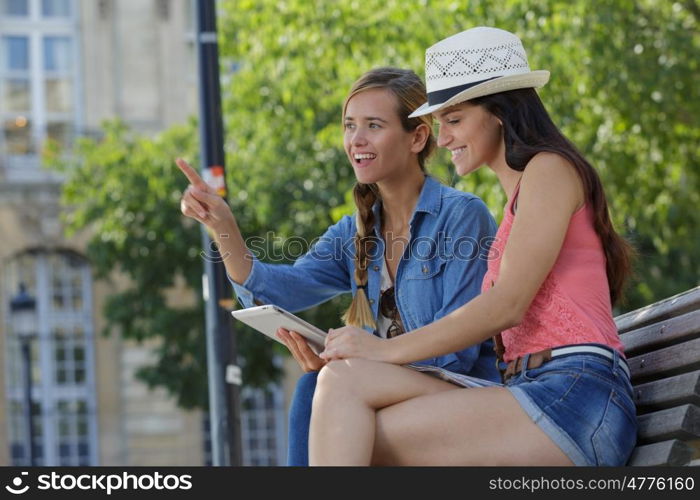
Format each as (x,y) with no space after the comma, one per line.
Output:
(72,422)
(56,8)
(16,8)
(18,427)
(263,426)
(62,354)
(15,90)
(69,356)
(39,98)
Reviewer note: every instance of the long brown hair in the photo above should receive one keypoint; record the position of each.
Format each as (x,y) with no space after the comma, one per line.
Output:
(410,93)
(528,130)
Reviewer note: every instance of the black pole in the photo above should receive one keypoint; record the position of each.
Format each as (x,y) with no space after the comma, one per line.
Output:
(28,409)
(223,371)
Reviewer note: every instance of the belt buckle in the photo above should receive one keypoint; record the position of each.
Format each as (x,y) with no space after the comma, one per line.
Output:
(534,360)
(539,358)
(511,369)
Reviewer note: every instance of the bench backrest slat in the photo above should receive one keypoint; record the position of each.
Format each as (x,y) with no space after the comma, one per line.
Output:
(668,392)
(673,452)
(680,358)
(667,308)
(662,334)
(681,422)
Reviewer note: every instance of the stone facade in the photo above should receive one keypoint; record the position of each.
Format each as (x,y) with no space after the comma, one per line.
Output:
(135,61)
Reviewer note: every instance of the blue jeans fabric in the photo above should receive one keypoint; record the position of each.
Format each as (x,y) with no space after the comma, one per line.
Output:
(299,420)
(584,403)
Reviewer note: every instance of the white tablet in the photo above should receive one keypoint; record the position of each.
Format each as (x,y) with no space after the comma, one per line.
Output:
(267,319)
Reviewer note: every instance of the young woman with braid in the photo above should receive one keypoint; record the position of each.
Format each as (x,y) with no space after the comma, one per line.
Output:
(414,251)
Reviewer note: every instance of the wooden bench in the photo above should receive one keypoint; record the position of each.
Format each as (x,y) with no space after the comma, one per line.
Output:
(662,344)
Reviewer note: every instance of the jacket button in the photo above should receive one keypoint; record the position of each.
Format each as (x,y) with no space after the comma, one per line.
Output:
(371,301)
(376,268)
(425,269)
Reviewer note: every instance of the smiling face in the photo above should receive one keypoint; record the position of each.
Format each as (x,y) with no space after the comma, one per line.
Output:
(376,143)
(472,134)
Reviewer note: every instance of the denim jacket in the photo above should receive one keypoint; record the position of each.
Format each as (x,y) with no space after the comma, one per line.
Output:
(441,270)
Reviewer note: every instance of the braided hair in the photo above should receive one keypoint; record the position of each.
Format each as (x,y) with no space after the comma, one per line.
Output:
(410,93)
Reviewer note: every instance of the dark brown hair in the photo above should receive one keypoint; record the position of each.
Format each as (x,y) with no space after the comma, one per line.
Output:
(410,93)
(528,130)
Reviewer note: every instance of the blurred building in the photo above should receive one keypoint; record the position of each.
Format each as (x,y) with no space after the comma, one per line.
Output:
(65,66)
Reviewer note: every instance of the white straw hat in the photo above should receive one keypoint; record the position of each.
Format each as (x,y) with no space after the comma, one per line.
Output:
(474,63)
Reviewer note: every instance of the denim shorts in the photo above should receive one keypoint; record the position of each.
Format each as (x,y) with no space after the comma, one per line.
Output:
(584,403)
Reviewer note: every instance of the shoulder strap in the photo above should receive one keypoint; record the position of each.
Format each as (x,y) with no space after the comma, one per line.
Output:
(516,192)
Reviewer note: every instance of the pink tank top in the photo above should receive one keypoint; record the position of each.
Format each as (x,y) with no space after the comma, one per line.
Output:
(573,304)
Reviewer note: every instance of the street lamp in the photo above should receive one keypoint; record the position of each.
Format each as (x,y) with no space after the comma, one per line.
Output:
(24,326)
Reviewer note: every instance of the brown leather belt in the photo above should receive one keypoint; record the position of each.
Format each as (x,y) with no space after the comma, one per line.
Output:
(535,360)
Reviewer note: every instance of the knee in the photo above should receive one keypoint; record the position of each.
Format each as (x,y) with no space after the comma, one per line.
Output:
(333,375)
(338,379)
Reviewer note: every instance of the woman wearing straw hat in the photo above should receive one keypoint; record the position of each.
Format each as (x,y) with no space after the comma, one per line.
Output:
(554,270)
(380,254)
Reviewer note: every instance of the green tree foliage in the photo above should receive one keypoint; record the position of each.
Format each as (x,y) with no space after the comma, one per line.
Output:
(124,188)
(624,88)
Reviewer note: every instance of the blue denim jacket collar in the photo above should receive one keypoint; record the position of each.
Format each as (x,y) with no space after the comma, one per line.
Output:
(429,201)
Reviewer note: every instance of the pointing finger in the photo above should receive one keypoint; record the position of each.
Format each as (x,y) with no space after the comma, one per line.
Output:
(191,174)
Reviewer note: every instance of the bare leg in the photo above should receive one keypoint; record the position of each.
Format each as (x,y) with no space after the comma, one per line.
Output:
(481,426)
(378,413)
(345,403)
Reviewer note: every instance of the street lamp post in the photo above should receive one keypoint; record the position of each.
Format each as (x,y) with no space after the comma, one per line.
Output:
(222,355)
(24,326)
